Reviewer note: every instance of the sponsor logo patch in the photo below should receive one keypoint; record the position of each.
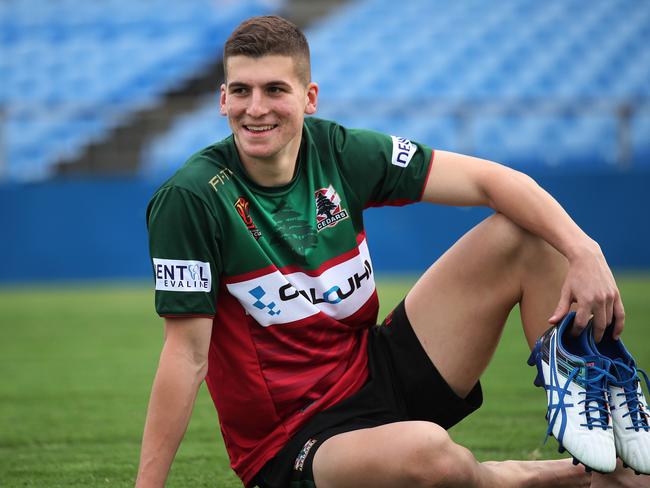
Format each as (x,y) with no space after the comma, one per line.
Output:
(302,456)
(258,292)
(243,209)
(182,275)
(220,179)
(328,208)
(403,151)
(333,295)
(339,292)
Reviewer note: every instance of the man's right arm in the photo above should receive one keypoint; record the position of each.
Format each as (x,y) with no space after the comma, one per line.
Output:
(181,370)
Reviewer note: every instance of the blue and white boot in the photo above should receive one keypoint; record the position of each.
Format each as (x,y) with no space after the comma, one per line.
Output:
(628,405)
(575,379)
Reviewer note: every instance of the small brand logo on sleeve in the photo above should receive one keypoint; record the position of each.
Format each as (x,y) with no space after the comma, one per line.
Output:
(403,151)
(182,275)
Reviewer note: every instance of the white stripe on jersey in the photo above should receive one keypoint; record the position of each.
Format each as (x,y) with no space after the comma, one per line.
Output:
(339,292)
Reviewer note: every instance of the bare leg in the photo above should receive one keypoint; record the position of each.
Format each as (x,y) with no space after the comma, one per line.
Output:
(459,306)
(421,454)
(458,309)
(621,478)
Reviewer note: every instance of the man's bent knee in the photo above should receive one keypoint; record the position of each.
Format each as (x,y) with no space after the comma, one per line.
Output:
(520,244)
(512,238)
(434,460)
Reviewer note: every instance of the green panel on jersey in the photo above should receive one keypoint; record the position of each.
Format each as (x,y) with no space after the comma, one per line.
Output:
(210,221)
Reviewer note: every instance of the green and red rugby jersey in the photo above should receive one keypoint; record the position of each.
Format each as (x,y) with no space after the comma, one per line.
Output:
(285,273)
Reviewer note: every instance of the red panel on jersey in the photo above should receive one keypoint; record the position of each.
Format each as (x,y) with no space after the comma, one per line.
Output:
(266,382)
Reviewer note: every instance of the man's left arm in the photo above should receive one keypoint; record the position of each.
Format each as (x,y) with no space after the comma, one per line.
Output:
(456,179)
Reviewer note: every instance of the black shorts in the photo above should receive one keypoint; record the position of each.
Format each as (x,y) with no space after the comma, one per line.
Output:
(403,385)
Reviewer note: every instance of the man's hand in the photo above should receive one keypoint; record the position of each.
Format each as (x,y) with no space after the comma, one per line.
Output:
(463,180)
(591,286)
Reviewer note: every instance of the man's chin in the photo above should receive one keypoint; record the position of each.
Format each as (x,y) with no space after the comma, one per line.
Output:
(259,153)
(253,148)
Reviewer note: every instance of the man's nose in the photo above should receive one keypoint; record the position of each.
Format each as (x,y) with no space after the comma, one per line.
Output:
(257,106)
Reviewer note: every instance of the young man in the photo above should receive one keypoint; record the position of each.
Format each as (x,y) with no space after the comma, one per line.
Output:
(267,289)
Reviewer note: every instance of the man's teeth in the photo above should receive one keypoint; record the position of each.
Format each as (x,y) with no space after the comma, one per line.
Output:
(259,128)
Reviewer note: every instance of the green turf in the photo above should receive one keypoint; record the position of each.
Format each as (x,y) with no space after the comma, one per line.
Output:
(77,363)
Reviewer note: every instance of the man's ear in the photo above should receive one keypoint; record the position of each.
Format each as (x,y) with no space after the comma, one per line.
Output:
(222,99)
(312,99)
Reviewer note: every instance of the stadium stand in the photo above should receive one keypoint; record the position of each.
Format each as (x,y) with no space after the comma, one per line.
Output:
(71,70)
(532,84)
(99,91)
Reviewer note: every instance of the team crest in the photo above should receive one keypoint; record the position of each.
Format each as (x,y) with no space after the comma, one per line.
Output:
(242,207)
(328,208)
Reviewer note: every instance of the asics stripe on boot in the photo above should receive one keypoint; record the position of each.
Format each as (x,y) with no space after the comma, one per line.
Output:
(628,405)
(575,380)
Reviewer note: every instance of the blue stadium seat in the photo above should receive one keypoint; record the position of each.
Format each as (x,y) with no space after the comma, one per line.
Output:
(529,83)
(63,56)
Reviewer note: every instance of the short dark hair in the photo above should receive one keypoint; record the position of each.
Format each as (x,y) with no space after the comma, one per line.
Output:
(267,35)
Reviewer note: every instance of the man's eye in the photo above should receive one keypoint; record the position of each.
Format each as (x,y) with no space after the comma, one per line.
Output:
(275,90)
(238,91)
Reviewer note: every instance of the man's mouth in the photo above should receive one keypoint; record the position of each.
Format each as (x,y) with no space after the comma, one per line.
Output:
(257,129)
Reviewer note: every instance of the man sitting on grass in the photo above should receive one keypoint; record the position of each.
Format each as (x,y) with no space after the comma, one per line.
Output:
(265,281)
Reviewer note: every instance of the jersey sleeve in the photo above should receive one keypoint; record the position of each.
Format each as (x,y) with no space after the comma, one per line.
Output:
(383,169)
(184,252)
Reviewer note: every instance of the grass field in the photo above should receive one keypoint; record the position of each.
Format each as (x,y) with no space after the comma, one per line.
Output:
(77,365)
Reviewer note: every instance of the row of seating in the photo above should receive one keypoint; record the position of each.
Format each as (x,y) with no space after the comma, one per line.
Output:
(477,49)
(529,83)
(72,70)
(67,14)
(524,140)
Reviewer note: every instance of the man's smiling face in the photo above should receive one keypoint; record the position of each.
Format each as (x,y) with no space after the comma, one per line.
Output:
(265,102)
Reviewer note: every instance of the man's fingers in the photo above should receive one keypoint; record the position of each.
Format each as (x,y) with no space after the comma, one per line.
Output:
(619,318)
(599,322)
(609,311)
(580,321)
(562,308)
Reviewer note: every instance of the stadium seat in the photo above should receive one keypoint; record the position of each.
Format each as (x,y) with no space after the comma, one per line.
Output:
(493,79)
(66,56)
(533,84)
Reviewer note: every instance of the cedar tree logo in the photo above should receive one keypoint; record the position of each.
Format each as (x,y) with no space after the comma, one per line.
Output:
(243,210)
(328,208)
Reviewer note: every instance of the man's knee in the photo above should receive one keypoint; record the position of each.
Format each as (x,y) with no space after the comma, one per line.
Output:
(521,245)
(434,460)
(511,237)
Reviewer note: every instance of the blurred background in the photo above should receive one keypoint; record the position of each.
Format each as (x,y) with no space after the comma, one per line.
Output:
(101,101)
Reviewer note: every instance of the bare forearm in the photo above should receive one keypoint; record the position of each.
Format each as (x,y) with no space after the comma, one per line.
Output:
(457,179)
(589,282)
(172,398)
